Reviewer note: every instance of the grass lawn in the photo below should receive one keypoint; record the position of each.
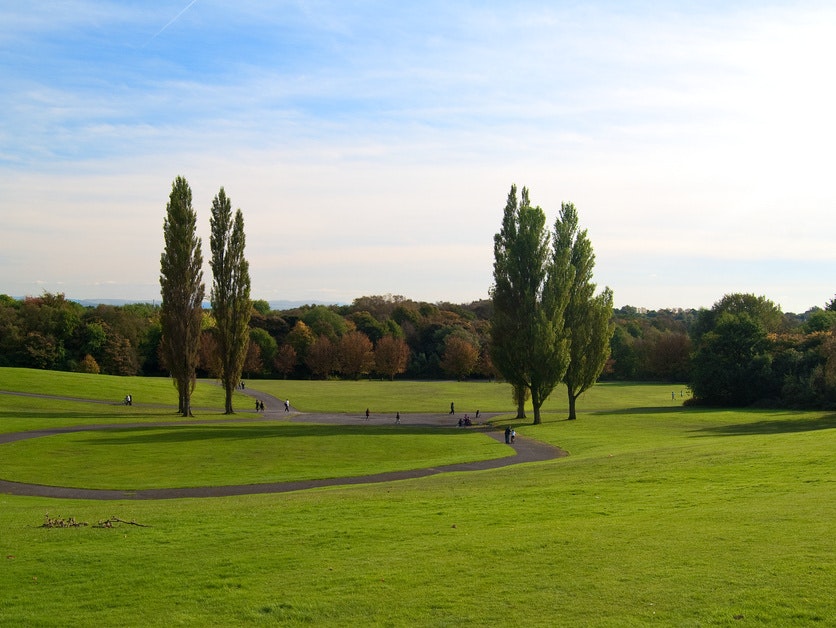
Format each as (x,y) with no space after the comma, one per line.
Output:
(216,455)
(384,397)
(661,515)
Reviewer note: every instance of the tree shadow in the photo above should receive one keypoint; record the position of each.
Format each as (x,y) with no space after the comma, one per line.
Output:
(151,435)
(645,410)
(789,425)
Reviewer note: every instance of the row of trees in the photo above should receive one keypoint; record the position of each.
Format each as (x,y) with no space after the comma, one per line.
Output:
(548,325)
(745,353)
(181,282)
(383,335)
(544,324)
(442,340)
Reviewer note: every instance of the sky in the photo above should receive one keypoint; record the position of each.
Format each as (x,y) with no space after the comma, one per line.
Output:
(371,145)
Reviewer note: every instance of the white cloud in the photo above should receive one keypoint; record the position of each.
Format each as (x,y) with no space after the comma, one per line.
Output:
(372,149)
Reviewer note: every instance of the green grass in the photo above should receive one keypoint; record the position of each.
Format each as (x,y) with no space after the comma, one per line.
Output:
(109,388)
(215,455)
(384,397)
(661,515)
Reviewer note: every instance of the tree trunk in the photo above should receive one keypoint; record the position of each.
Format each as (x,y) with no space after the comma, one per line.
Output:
(228,403)
(536,402)
(521,409)
(572,399)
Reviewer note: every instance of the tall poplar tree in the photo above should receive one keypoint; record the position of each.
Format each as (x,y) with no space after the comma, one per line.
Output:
(528,345)
(231,304)
(588,318)
(181,281)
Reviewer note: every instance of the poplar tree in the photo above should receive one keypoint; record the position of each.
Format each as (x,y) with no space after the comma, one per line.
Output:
(230,296)
(181,282)
(588,318)
(528,345)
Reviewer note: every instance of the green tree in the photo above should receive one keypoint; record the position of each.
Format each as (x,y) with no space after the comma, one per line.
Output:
(261,306)
(323,321)
(266,354)
(588,318)
(181,281)
(527,341)
(732,365)
(231,304)
(760,309)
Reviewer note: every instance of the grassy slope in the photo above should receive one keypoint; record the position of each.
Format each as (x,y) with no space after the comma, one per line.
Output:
(683,517)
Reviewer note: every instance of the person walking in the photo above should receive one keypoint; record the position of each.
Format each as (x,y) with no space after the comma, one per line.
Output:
(287,406)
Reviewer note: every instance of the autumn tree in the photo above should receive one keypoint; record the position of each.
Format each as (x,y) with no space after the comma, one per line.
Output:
(231,304)
(181,281)
(300,338)
(253,363)
(528,345)
(285,360)
(459,358)
(88,365)
(322,357)
(391,356)
(208,355)
(356,354)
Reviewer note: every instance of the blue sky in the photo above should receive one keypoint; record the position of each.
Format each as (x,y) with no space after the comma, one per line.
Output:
(371,145)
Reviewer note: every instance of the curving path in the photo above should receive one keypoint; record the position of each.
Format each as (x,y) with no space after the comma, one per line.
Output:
(527,450)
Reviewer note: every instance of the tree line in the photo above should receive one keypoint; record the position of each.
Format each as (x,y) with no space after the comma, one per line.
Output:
(543,324)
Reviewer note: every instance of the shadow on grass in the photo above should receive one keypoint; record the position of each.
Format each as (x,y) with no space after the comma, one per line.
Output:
(86,415)
(186,433)
(646,410)
(773,426)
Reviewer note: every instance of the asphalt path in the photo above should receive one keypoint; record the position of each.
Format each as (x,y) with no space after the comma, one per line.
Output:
(526,450)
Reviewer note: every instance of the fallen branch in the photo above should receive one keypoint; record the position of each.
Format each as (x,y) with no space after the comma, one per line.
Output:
(108,523)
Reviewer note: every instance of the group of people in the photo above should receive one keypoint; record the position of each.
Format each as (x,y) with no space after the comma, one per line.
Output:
(259,405)
(510,435)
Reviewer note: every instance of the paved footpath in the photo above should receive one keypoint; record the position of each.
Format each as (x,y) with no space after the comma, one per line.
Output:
(527,450)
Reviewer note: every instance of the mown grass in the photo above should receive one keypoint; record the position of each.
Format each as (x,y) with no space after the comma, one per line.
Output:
(384,397)
(661,515)
(215,455)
